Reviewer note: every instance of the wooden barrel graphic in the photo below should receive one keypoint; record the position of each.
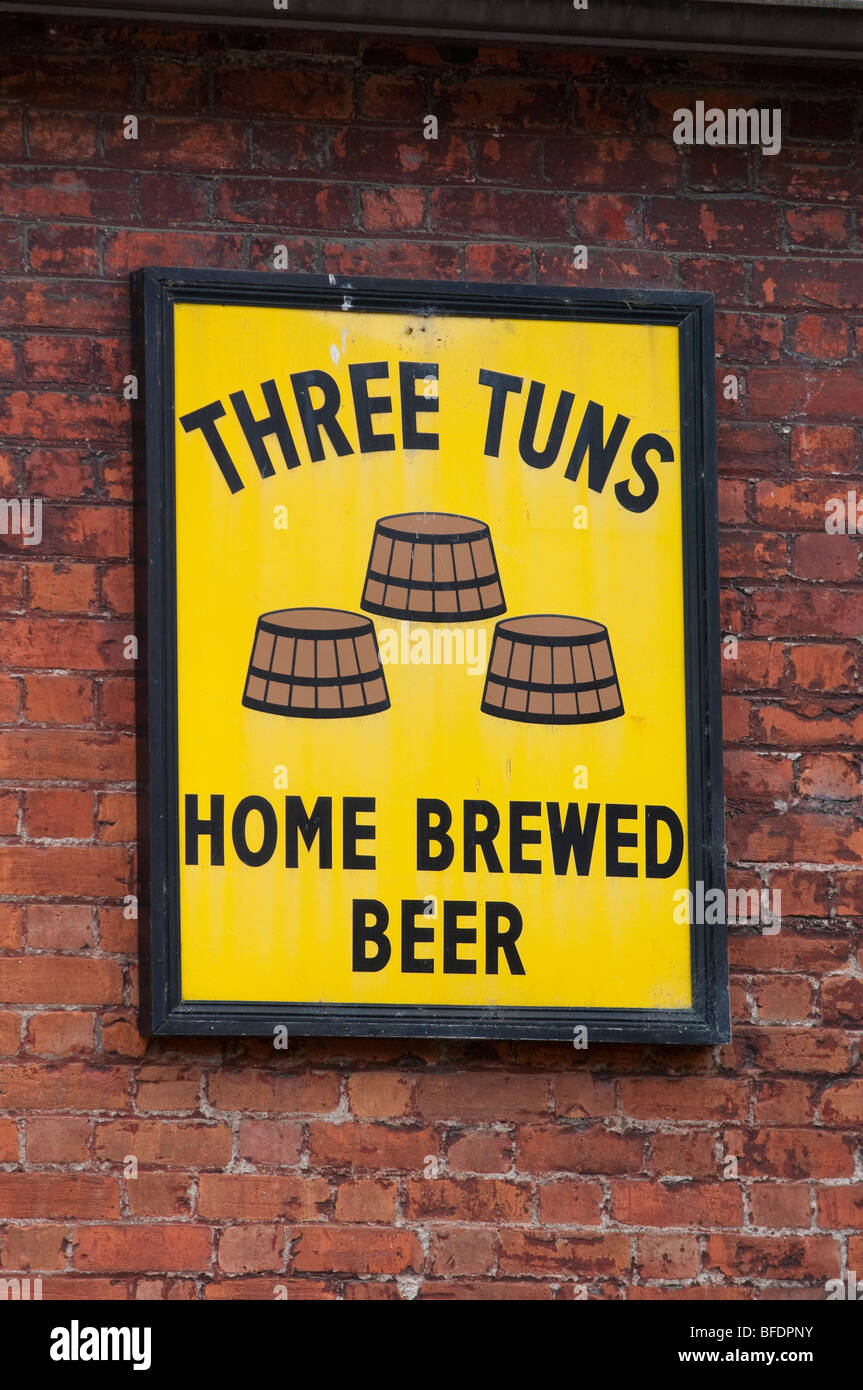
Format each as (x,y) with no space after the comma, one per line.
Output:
(315,663)
(551,669)
(434,567)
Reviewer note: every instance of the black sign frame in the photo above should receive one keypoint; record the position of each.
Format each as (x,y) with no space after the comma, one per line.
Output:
(164,1013)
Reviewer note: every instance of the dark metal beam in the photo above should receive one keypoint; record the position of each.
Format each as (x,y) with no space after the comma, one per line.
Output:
(817,29)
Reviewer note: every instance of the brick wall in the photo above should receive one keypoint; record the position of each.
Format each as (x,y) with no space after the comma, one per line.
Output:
(316,1169)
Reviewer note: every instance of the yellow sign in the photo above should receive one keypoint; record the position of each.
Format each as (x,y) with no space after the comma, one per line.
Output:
(435,668)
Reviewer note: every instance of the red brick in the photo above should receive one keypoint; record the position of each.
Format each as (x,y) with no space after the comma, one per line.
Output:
(10,1033)
(275,1143)
(697,1098)
(247,1196)
(303,1093)
(479,1152)
(393,209)
(570,1203)
(793,1153)
(247,1249)
(840,1207)
(773,1257)
(11,927)
(171,1144)
(62,588)
(482,1095)
(54,700)
(564,1253)
(302,93)
(823,666)
(757,776)
(459,1251)
(817,449)
(380,1095)
(59,927)
(62,138)
(43,1196)
(819,337)
(667,1256)
(828,557)
(128,250)
(842,1103)
(682,1204)
(261,1290)
(27,1248)
(783,998)
(162,1248)
(355,1250)
(61,1032)
(76,644)
(370,1146)
(8,1139)
(467,1199)
(64,250)
(578,1096)
(70,1086)
(397,258)
(546,1150)
(117,818)
(53,1139)
(366,1199)
(691,1154)
(789,951)
(780,1205)
(160,1194)
(59,979)
(58,813)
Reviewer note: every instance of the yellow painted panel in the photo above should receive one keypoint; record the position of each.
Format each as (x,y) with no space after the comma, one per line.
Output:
(269,932)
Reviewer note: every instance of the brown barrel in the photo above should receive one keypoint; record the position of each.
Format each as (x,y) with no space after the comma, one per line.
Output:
(315,663)
(433,566)
(551,669)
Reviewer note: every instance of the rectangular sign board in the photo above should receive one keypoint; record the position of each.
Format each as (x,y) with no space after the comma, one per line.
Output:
(433,657)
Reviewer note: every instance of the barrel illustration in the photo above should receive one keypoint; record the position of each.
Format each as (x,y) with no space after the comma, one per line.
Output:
(315,663)
(432,566)
(546,668)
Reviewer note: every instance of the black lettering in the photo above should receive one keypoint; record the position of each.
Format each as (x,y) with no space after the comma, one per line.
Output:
(412,935)
(214,827)
(519,837)
(365,932)
(641,448)
(351,832)
(428,834)
(572,837)
(497,939)
(455,936)
(320,822)
(654,816)
(501,384)
(543,458)
(482,838)
(254,857)
(204,420)
(256,431)
(601,452)
(617,839)
(361,373)
(321,417)
(412,404)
